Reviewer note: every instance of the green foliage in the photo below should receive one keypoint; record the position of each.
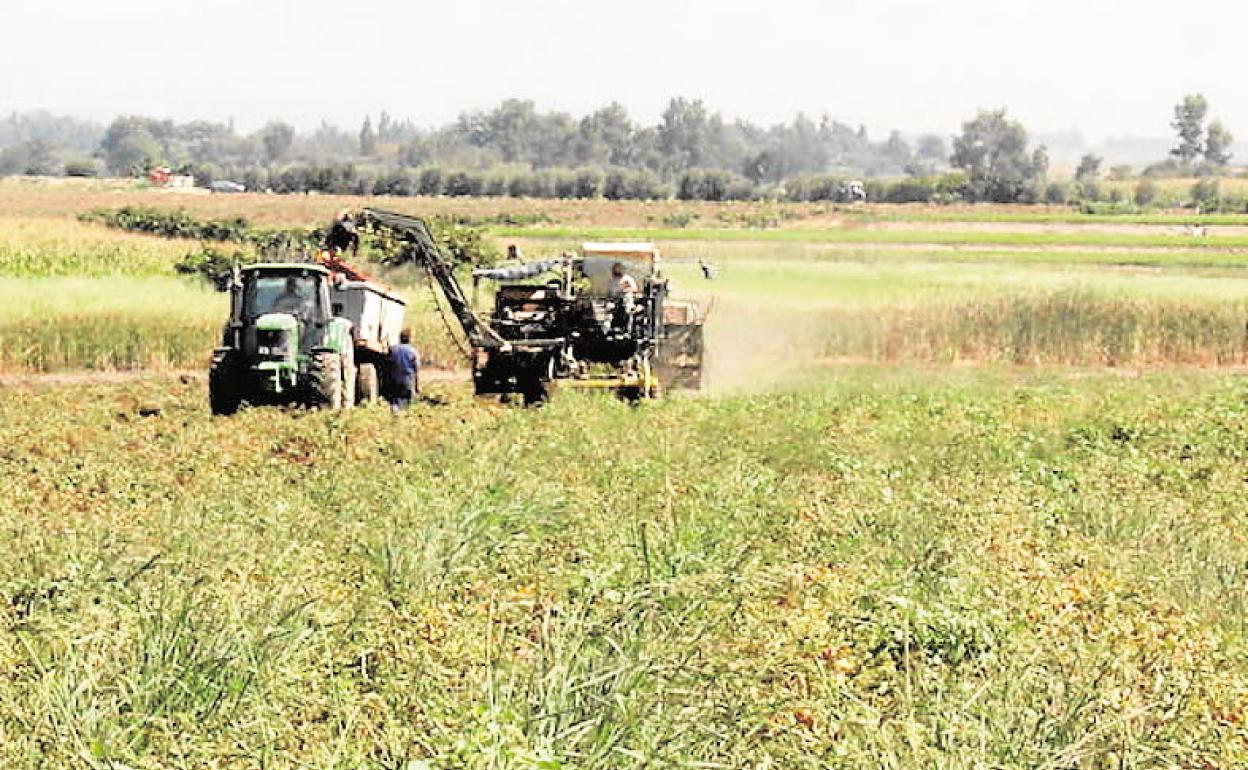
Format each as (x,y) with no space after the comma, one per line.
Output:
(131,145)
(169,223)
(1121,172)
(368,138)
(679,219)
(464,243)
(271,243)
(1057,193)
(81,167)
(1089,169)
(1206,195)
(277,137)
(34,157)
(712,185)
(1218,143)
(909,633)
(212,264)
(993,152)
(625,184)
(1189,124)
(1146,192)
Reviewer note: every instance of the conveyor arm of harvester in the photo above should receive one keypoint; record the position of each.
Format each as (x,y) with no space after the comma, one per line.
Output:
(420,246)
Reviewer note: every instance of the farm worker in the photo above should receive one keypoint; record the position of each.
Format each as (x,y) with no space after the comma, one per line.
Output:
(292,300)
(343,236)
(404,372)
(623,285)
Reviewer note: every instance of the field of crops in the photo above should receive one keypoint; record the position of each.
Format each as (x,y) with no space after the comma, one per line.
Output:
(956,498)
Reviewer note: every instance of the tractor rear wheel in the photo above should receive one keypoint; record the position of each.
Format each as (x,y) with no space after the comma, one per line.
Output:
(325,380)
(225,388)
(367,386)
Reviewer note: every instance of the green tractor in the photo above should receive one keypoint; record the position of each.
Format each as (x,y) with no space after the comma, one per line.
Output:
(285,341)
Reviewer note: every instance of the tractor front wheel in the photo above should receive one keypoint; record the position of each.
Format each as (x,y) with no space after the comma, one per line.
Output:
(325,380)
(225,387)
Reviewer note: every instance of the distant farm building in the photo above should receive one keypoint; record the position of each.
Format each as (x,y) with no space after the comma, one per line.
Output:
(162,176)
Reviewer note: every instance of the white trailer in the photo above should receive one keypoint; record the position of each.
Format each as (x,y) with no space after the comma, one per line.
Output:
(376,315)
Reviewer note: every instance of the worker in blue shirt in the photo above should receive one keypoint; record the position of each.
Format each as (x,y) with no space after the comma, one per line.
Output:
(404,371)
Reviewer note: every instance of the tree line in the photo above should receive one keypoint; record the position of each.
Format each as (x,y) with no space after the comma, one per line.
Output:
(514,149)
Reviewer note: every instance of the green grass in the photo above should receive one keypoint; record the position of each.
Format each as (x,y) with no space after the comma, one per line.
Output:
(107,323)
(885,237)
(1047,216)
(892,569)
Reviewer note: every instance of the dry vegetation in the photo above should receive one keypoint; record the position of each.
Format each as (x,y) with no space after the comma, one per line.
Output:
(948,569)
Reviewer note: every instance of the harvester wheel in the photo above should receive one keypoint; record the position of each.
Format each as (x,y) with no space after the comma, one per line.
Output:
(536,387)
(368,387)
(224,388)
(325,380)
(534,393)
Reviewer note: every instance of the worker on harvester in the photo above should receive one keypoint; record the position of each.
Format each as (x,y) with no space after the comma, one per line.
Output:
(623,285)
(624,288)
(343,235)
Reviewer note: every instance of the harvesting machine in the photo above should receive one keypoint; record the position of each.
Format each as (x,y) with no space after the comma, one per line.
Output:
(556,321)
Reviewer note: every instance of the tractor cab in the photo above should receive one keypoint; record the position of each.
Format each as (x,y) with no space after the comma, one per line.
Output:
(278,310)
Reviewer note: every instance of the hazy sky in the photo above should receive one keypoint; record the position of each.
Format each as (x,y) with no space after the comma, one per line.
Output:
(1106,67)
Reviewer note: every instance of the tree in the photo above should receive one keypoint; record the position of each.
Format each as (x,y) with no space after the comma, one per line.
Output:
(932,148)
(33,157)
(1146,192)
(368,138)
(130,146)
(683,133)
(993,151)
(277,138)
(1206,195)
(605,137)
(1218,145)
(1087,176)
(1089,168)
(896,149)
(1040,162)
(1189,124)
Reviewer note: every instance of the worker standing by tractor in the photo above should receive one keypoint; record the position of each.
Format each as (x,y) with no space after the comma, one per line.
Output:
(404,372)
